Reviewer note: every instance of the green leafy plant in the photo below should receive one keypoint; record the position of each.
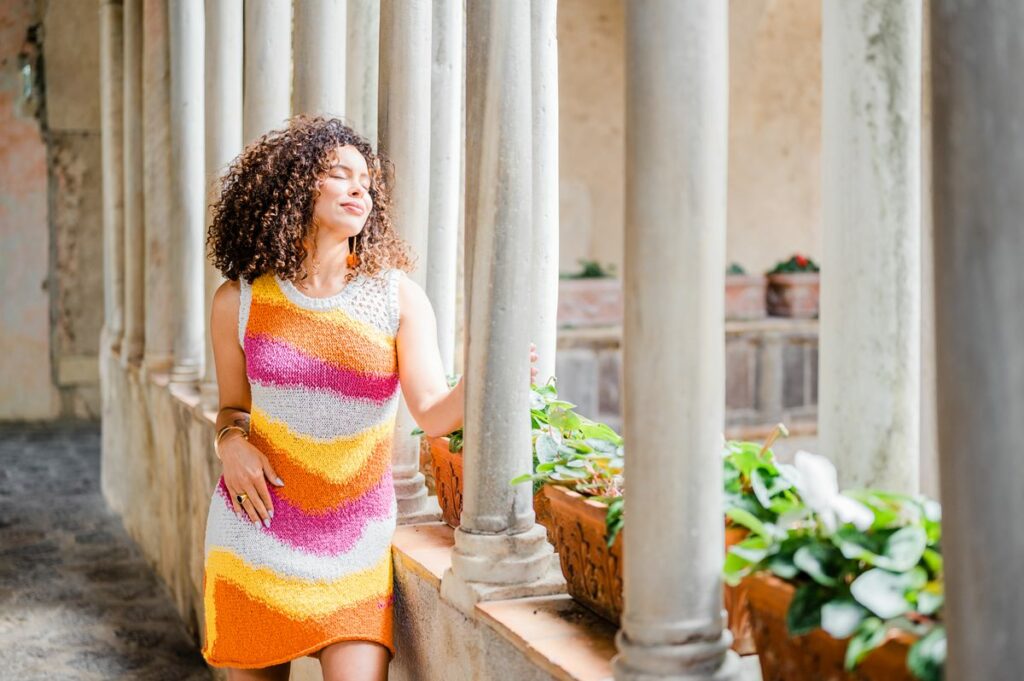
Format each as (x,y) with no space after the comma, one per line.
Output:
(796,263)
(591,269)
(862,563)
(735,269)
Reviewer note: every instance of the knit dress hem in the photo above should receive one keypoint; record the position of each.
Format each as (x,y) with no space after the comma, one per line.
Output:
(291,657)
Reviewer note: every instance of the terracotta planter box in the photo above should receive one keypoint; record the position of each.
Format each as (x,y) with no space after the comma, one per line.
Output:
(814,656)
(593,572)
(793,294)
(447,470)
(589,302)
(735,601)
(745,296)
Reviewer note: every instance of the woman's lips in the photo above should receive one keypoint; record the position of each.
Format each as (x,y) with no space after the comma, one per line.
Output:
(354,208)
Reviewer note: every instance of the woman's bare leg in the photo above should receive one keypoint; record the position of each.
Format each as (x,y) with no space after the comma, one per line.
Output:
(355,661)
(279,672)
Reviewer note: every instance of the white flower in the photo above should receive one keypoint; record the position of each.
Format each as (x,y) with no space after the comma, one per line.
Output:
(816,482)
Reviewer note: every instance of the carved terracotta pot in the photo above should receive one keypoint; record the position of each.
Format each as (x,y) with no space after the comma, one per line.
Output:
(735,600)
(447,471)
(593,572)
(793,294)
(745,296)
(814,656)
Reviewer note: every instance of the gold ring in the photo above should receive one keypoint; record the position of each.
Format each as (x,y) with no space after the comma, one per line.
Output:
(240,498)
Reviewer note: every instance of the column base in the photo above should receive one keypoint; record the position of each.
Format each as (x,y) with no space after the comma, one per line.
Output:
(491,567)
(414,506)
(186,373)
(695,661)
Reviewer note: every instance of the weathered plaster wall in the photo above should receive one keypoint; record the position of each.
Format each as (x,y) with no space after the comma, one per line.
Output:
(50,211)
(25,371)
(774,131)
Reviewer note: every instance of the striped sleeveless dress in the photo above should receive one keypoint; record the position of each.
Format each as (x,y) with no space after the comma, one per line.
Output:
(324,378)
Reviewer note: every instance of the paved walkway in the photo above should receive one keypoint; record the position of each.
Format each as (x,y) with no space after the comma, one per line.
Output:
(77,599)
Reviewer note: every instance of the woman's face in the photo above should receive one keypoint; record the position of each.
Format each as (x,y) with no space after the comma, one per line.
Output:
(344,202)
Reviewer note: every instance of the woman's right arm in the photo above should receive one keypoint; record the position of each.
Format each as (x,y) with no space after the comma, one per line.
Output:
(246,469)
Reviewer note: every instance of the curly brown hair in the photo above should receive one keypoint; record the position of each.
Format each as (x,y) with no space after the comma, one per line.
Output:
(265,209)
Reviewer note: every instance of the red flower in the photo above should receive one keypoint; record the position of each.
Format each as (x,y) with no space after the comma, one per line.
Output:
(801,261)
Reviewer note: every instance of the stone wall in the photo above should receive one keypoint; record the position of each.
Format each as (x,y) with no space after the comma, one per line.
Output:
(774,130)
(50,210)
(771,374)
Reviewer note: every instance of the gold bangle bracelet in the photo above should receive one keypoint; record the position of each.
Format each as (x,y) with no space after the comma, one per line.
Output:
(220,434)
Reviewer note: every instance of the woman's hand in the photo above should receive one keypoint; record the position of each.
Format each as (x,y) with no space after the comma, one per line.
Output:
(247,469)
(533,360)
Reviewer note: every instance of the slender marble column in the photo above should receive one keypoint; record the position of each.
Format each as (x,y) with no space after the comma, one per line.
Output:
(403,122)
(320,50)
(224,29)
(268,67)
(132,341)
(188,195)
(544,261)
(361,63)
(112,121)
(978,173)
(677,75)
(870,403)
(156,110)
(445,170)
(500,551)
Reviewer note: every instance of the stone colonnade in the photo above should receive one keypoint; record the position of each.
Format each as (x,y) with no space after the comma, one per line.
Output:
(399,80)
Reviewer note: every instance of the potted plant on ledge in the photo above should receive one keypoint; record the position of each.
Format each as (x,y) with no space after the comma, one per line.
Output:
(793,287)
(744,294)
(590,297)
(846,587)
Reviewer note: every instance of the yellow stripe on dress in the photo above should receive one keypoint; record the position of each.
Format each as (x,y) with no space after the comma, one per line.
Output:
(298,598)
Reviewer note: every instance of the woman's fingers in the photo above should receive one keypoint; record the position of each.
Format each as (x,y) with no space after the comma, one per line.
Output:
(255,506)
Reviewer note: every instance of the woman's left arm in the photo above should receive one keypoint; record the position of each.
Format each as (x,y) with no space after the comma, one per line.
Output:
(436,408)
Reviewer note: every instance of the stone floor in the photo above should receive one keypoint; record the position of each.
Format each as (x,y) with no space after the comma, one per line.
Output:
(77,598)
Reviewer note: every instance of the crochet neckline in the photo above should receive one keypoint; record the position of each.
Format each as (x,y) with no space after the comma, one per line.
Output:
(292,292)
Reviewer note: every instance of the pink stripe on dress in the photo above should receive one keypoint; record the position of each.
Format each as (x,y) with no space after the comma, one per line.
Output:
(272,362)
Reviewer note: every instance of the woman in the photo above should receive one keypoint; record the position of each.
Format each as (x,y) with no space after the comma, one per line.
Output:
(314,332)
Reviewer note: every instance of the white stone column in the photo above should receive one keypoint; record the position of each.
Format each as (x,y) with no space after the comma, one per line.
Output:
(544,261)
(677,75)
(112,121)
(132,340)
(445,170)
(320,51)
(268,67)
(188,190)
(403,122)
(224,45)
(978,174)
(870,402)
(156,91)
(500,551)
(361,63)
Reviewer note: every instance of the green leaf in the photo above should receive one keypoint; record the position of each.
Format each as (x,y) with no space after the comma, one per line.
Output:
(781,564)
(818,561)
(930,598)
(537,400)
(926,659)
(840,617)
(519,479)
(869,636)
(804,612)
(563,419)
(546,448)
(933,559)
(752,549)
(749,521)
(883,592)
(904,548)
